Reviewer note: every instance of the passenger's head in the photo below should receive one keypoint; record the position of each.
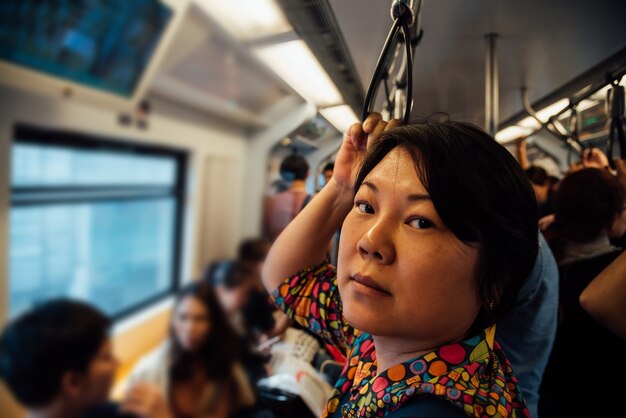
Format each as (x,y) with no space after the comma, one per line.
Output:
(253,252)
(589,204)
(232,281)
(537,175)
(199,330)
(59,352)
(539,179)
(294,167)
(444,223)
(328,172)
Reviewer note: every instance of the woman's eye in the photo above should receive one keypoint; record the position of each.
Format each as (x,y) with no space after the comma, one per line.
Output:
(365,208)
(420,223)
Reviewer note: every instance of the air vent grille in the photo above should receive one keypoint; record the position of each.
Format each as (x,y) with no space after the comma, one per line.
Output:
(315,22)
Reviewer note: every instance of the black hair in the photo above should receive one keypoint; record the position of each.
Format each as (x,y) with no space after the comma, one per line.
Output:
(39,347)
(254,250)
(228,273)
(586,204)
(537,175)
(217,353)
(481,194)
(329,166)
(294,167)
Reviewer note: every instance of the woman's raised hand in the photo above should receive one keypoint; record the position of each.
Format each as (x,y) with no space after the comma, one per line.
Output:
(145,401)
(355,144)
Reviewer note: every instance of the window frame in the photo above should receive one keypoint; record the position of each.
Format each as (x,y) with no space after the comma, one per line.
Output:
(22,196)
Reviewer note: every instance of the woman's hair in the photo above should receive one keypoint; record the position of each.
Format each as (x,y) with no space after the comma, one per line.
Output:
(228,273)
(254,250)
(537,175)
(217,352)
(586,205)
(481,194)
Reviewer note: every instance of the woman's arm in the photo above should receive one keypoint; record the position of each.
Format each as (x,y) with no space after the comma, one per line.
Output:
(304,242)
(522,155)
(605,297)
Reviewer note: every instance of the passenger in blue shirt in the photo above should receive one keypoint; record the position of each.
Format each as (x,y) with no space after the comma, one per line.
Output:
(527,332)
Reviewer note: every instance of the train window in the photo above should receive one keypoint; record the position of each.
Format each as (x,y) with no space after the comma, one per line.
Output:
(93,219)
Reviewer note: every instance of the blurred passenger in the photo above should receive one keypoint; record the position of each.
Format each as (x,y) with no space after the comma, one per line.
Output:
(327,171)
(605,297)
(589,209)
(197,369)
(283,207)
(233,282)
(253,252)
(539,180)
(57,360)
(262,317)
(543,184)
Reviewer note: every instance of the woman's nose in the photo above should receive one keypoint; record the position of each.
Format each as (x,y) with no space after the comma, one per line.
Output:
(377,244)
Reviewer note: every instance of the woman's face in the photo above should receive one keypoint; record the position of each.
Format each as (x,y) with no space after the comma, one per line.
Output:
(191,323)
(401,272)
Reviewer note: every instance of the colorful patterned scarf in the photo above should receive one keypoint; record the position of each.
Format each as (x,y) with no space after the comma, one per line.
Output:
(473,374)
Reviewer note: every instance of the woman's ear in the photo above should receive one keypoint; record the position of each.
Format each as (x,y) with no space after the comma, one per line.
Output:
(72,384)
(618,226)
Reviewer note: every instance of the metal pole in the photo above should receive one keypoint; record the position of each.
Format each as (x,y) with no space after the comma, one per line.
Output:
(491,85)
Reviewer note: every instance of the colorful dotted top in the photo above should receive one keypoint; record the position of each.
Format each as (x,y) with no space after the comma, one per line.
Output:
(474,374)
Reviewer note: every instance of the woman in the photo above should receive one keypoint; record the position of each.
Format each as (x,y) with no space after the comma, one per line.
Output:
(438,235)
(589,210)
(197,369)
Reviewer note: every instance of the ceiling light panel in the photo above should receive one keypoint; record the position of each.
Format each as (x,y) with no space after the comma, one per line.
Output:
(341,117)
(295,63)
(512,132)
(548,111)
(247,19)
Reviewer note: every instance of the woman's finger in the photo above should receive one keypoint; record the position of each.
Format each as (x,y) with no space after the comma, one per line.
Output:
(379,129)
(356,136)
(393,123)
(371,122)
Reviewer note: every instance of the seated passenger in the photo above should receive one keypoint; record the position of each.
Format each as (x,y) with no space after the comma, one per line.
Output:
(433,252)
(233,283)
(197,369)
(261,316)
(57,360)
(589,210)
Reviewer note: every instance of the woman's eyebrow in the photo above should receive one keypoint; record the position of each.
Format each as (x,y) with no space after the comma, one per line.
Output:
(415,197)
(370,185)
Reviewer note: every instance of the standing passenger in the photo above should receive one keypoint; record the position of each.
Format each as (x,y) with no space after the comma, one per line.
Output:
(586,366)
(284,206)
(433,252)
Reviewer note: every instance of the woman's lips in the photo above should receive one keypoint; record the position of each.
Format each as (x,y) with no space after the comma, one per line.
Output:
(369,282)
